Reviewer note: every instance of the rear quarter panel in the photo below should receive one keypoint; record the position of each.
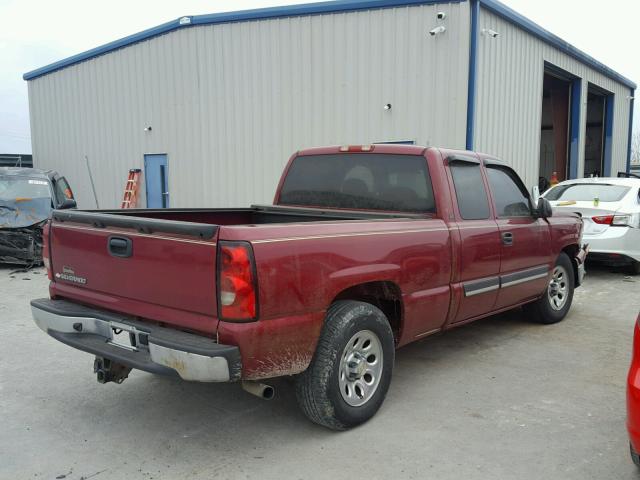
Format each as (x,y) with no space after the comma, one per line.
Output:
(302,268)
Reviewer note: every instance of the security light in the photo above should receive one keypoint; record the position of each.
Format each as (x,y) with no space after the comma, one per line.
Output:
(490,32)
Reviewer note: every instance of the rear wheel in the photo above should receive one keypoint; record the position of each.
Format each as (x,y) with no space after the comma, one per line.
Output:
(554,305)
(350,373)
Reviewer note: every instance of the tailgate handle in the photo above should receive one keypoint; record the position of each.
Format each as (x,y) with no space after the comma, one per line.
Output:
(120,247)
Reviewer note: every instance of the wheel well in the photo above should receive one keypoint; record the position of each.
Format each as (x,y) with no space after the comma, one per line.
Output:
(384,295)
(572,251)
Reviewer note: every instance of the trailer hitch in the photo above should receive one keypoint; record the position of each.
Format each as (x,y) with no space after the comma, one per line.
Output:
(109,371)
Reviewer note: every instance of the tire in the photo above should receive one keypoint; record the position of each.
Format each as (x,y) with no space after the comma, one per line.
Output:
(634,268)
(347,380)
(555,303)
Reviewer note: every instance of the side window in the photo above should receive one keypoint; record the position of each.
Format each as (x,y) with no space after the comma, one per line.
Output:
(508,194)
(473,203)
(63,191)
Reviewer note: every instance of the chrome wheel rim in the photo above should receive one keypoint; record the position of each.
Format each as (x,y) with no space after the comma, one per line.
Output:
(558,288)
(360,368)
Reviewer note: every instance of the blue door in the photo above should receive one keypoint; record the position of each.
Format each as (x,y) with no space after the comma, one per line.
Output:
(156,180)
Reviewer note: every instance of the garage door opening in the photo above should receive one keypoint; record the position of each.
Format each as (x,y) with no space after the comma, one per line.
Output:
(597,153)
(554,135)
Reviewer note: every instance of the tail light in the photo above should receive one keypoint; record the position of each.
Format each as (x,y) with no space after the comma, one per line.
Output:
(237,286)
(603,219)
(46,257)
(613,220)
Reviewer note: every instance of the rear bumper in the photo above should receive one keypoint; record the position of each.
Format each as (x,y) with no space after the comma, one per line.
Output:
(616,241)
(153,349)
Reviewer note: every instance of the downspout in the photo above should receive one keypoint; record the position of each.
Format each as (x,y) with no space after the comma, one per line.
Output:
(631,94)
(471,84)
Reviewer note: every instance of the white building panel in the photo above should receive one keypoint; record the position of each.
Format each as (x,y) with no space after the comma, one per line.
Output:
(228,103)
(509,92)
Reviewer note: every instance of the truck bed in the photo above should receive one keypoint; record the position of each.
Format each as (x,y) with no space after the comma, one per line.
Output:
(161,264)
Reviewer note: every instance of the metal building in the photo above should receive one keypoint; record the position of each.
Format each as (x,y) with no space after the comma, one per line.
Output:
(211,106)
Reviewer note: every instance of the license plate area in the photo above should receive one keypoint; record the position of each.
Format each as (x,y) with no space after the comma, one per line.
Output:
(128,337)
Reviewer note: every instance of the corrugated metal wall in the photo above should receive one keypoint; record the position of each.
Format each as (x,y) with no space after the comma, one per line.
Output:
(229,103)
(509,93)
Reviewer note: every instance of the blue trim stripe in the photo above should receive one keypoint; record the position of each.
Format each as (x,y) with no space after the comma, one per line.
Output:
(536,30)
(632,93)
(109,47)
(574,127)
(230,17)
(327,7)
(473,70)
(608,135)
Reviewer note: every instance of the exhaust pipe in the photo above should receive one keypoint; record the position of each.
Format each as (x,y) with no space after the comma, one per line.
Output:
(266,392)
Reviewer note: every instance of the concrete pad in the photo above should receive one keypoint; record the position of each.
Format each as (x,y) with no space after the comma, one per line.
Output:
(498,399)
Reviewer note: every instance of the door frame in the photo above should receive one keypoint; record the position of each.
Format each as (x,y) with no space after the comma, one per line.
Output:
(166,179)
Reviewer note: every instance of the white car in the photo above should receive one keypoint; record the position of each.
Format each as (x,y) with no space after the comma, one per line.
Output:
(610,209)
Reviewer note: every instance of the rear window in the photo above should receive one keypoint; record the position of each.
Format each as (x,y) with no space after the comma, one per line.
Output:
(585,192)
(367,181)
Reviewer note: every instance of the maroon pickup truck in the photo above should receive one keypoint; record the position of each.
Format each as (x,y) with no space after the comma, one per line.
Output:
(366,249)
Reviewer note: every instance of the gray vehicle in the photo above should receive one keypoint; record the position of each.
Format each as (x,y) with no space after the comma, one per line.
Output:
(27,197)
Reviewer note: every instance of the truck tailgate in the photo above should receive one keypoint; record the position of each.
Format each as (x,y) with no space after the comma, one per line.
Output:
(130,265)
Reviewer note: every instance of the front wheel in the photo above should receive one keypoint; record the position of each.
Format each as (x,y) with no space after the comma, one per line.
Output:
(350,373)
(555,303)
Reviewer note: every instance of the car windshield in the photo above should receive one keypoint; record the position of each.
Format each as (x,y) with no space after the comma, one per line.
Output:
(367,181)
(13,188)
(585,192)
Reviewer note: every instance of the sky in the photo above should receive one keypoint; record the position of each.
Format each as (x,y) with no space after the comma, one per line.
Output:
(35,33)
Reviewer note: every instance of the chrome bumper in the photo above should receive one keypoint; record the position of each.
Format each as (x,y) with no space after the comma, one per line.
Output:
(150,348)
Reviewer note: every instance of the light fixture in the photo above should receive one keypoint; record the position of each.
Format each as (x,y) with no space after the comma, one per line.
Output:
(492,33)
(387,106)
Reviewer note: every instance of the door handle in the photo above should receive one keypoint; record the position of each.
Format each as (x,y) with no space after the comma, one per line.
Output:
(507,238)
(120,247)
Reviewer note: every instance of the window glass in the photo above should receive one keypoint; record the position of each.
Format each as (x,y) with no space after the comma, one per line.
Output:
(13,187)
(63,191)
(510,200)
(473,203)
(586,192)
(368,181)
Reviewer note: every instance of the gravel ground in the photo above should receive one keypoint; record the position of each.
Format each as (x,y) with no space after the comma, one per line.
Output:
(498,399)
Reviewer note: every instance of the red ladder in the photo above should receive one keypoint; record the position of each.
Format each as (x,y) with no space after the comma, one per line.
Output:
(130,199)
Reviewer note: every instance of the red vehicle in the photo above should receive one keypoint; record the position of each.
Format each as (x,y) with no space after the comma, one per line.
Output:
(365,249)
(633,397)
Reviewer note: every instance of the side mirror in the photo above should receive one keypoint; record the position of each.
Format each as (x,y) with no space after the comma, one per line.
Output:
(543,210)
(67,204)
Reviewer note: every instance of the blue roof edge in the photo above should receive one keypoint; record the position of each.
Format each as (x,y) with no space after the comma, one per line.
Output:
(327,7)
(230,17)
(533,28)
